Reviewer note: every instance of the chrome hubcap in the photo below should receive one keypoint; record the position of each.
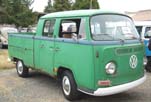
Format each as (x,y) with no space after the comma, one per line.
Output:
(66,85)
(20,67)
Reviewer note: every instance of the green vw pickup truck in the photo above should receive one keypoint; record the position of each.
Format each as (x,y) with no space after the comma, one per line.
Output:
(91,51)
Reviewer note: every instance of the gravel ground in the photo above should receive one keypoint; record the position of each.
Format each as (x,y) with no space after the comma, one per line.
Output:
(42,88)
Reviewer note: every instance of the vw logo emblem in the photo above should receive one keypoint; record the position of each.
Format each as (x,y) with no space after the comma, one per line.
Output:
(133,61)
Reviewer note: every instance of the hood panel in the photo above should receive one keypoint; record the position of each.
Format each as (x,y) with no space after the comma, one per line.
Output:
(128,60)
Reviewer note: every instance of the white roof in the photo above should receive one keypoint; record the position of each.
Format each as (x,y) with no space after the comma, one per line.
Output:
(142,23)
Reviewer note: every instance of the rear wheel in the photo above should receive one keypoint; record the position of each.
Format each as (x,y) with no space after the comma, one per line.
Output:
(69,86)
(22,70)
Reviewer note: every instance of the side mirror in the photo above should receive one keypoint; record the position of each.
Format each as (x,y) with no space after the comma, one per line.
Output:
(74,36)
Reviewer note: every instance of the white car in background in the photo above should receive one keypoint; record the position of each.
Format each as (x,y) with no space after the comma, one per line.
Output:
(4,35)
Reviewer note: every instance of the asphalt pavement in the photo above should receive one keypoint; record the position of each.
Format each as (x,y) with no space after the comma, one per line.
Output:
(42,88)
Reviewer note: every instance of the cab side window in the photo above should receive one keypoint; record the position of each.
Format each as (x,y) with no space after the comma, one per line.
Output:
(48,29)
(68,27)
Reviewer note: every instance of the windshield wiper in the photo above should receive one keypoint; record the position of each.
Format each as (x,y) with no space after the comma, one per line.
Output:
(121,40)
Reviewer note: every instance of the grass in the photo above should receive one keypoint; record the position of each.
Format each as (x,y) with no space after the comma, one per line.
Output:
(4,63)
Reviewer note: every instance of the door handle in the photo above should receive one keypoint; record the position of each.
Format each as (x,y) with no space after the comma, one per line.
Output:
(42,46)
(54,49)
(57,49)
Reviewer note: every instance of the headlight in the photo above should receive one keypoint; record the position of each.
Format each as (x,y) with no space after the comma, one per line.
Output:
(110,68)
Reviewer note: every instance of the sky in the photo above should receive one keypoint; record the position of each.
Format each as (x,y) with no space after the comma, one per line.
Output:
(39,5)
(114,5)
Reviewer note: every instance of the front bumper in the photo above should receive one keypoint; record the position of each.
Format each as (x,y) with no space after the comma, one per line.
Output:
(119,88)
(116,89)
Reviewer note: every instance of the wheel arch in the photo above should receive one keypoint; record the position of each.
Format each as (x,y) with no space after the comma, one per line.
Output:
(74,94)
(15,59)
(61,69)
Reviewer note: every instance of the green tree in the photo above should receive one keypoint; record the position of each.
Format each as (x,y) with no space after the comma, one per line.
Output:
(63,5)
(49,8)
(17,12)
(28,3)
(58,5)
(85,4)
(3,13)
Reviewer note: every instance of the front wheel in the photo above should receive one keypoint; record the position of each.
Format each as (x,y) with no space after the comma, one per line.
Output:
(69,86)
(22,70)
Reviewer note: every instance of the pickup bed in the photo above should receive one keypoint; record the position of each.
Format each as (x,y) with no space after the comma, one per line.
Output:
(21,46)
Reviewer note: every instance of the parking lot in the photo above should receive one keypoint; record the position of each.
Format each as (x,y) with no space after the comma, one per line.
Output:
(42,88)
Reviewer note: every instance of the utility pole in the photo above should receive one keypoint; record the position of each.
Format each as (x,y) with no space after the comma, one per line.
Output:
(90,4)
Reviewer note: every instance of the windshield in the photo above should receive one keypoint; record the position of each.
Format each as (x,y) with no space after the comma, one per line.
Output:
(113,27)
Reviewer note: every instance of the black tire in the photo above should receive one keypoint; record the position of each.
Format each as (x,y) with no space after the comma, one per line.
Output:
(148,68)
(148,65)
(22,70)
(70,89)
